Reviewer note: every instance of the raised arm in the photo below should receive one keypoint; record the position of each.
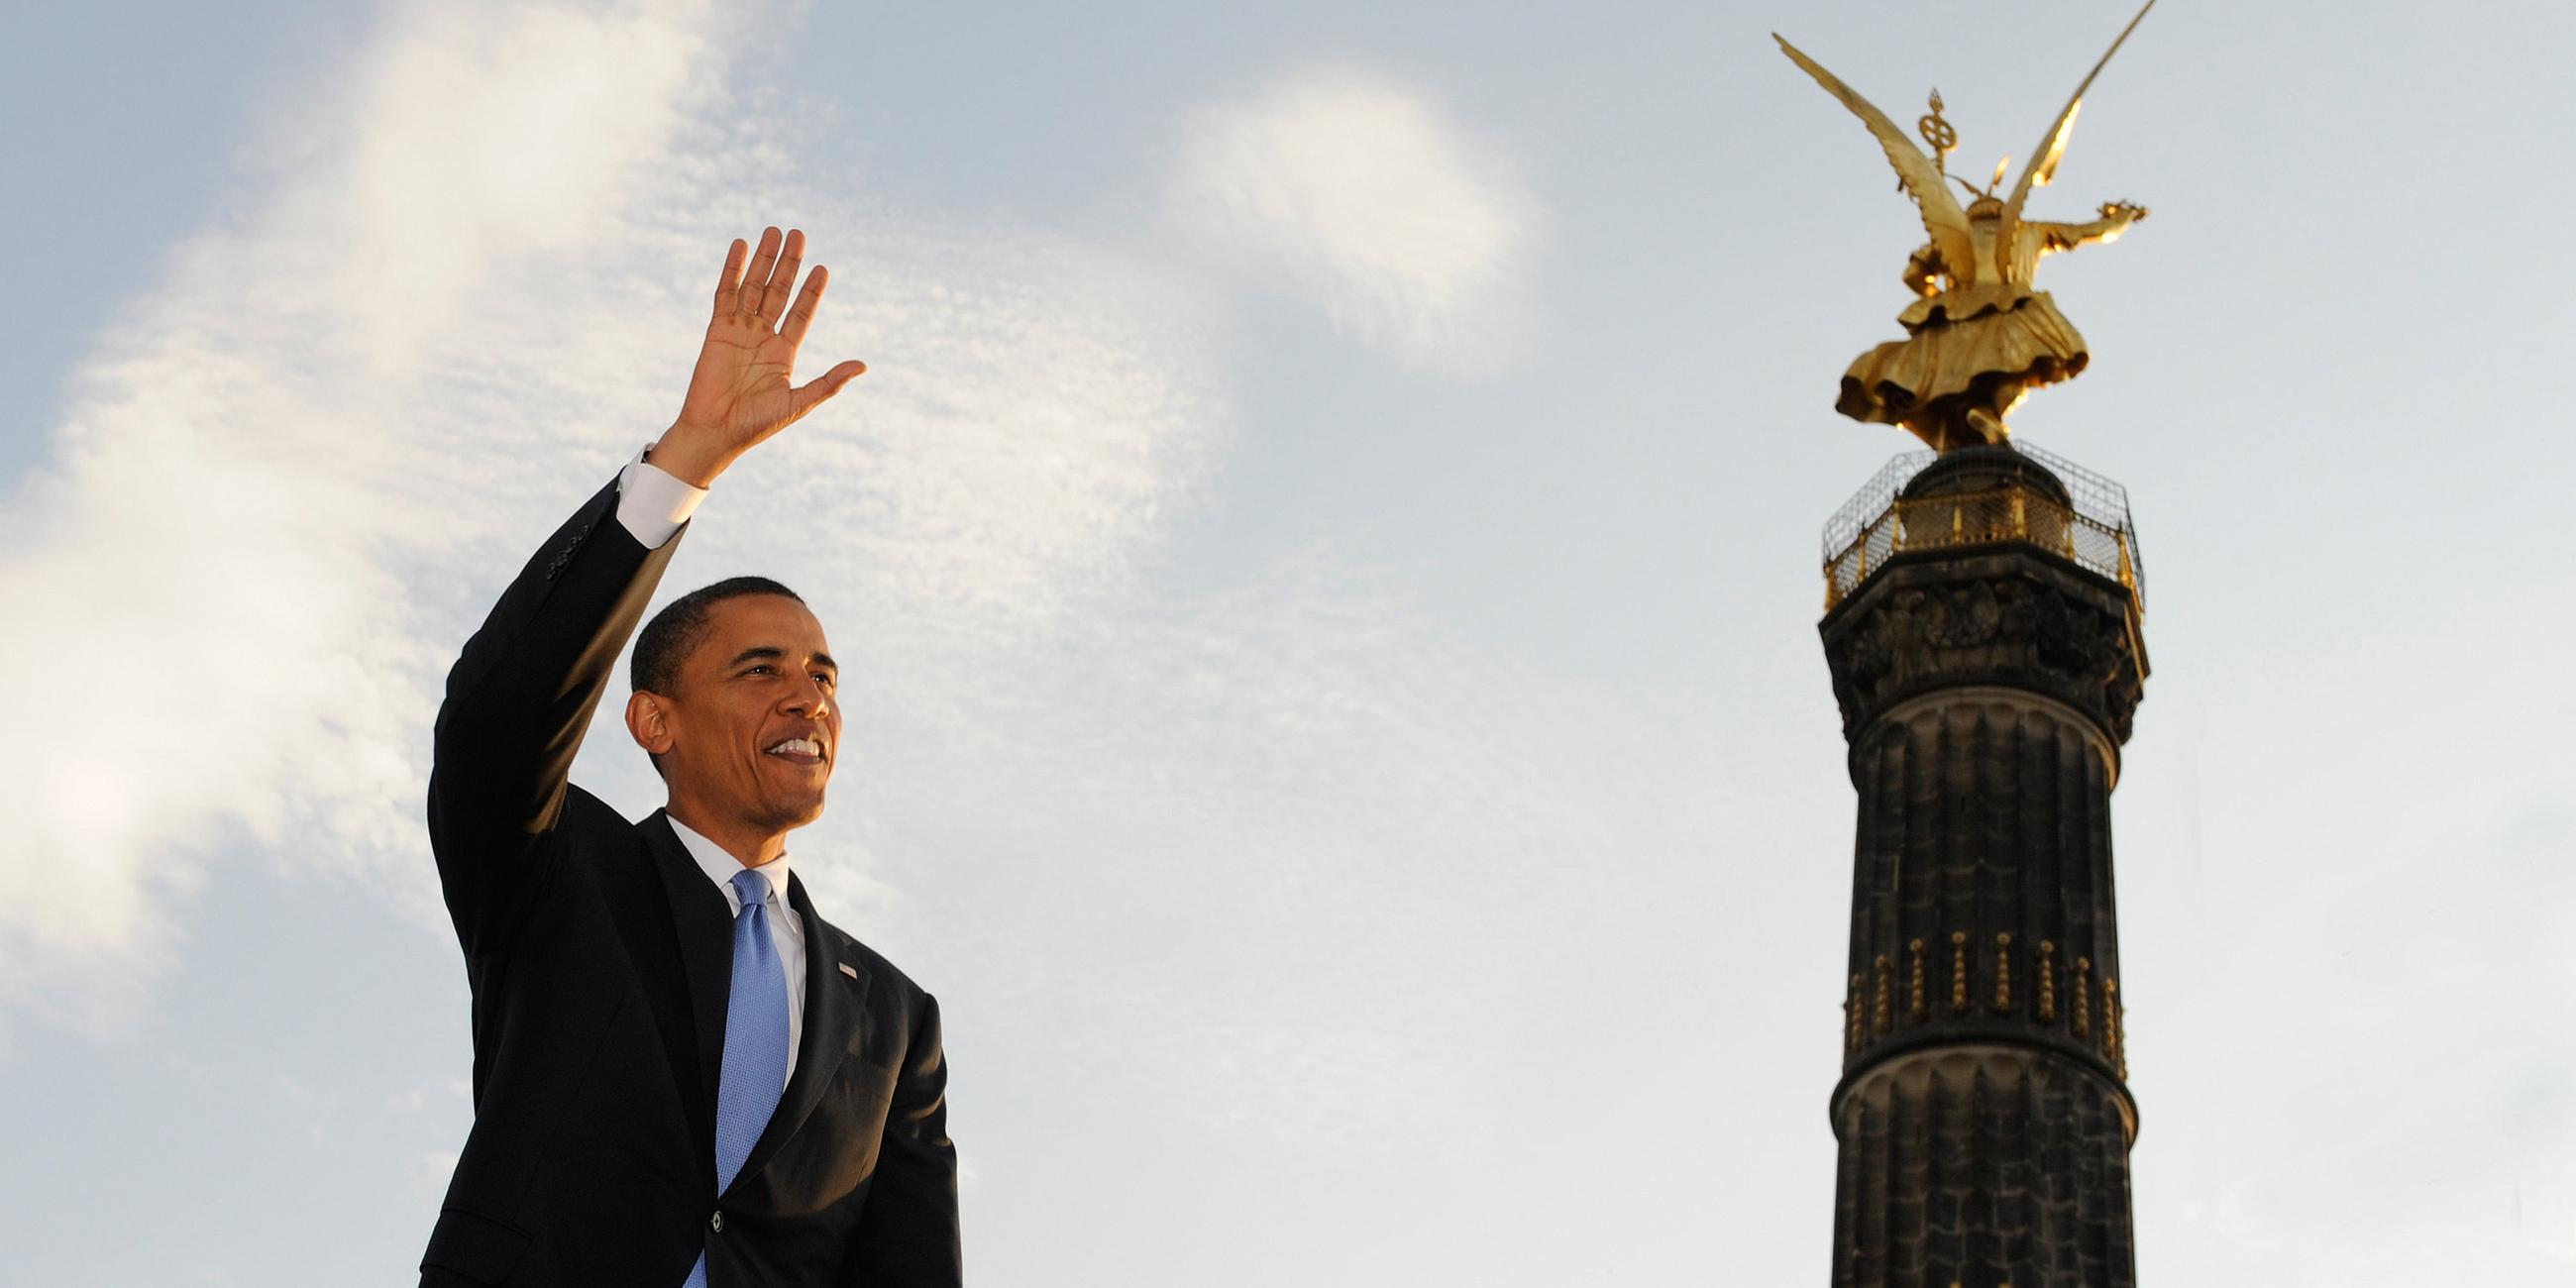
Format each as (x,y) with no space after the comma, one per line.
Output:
(2115,220)
(521,695)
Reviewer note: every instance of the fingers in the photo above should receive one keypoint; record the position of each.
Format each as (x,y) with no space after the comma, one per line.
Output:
(805,397)
(755,283)
(802,316)
(763,292)
(729,285)
(782,278)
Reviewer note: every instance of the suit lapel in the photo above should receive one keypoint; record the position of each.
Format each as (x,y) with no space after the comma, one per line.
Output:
(835,1023)
(699,912)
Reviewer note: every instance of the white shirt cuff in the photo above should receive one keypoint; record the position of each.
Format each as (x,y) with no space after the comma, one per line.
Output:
(652,502)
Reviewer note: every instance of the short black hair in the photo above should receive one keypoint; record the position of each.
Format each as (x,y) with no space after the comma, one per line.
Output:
(681,626)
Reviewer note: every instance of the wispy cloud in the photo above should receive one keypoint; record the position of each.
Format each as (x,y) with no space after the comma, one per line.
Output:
(1362,195)
(1301,844)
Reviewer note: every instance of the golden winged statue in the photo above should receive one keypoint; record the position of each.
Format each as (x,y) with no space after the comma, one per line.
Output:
(1978,337)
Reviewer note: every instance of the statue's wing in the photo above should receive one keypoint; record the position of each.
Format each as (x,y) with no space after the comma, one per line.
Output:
(2052,147)
(1942,217)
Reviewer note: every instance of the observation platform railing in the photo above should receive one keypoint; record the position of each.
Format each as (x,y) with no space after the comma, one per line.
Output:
(1880,523)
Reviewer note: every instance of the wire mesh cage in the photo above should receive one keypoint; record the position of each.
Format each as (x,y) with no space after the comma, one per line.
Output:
(1879,523)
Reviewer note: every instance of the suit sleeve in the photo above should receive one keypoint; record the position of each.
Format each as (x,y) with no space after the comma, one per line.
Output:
(907,1235)
(518,701)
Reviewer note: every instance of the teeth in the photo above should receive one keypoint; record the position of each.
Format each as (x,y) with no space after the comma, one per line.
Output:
(799,746)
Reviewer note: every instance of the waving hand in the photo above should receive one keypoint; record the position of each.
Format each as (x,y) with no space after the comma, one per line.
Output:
(739,394)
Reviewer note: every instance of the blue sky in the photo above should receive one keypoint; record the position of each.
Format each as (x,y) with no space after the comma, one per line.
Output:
(1326,554)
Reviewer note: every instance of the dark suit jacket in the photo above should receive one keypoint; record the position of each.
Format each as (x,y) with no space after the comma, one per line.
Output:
(600,958)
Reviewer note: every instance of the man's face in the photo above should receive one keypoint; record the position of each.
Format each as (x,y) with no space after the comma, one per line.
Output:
(756,723)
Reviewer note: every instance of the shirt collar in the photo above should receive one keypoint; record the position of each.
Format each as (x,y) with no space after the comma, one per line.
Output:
(720,866)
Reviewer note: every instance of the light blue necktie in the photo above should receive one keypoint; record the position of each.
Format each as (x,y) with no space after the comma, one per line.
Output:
(754,1074)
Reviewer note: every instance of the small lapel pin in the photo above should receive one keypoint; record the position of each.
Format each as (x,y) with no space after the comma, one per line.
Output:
(849,970)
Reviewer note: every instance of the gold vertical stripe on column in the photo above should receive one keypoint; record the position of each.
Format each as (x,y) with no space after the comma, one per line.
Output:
(2113,1048)
(1914,1003)
(1851,1017)
(2083,994)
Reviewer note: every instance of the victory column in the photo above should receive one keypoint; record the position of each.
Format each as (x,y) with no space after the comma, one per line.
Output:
(1982,626)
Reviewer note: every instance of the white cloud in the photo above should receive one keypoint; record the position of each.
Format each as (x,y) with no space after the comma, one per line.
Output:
(1363,196)
(1300,844)
(477,146)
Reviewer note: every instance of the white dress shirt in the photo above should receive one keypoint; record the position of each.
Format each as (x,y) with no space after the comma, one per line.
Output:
(652,504)
(787,929)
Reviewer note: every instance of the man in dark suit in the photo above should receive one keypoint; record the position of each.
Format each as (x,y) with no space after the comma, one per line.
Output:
(683,1075)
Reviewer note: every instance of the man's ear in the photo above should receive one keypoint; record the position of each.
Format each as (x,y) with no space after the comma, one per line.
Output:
(648,722)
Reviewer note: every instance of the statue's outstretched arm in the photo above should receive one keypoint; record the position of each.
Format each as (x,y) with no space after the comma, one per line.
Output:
(2115,220)
(1922,267)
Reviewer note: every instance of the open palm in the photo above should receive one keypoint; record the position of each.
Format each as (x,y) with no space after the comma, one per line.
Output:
(740,392)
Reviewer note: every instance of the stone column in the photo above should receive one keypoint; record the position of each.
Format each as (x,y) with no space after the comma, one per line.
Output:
(1987,680)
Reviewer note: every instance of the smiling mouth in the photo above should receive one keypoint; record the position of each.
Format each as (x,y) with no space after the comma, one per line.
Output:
(799,751)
